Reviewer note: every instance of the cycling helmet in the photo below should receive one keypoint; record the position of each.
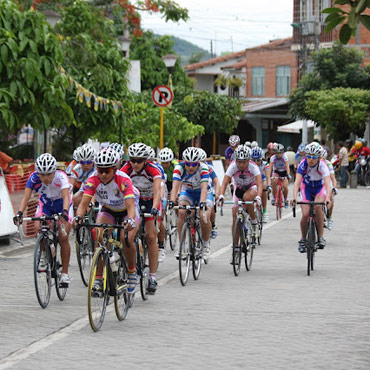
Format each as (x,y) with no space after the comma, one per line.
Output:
(166,155)
(324,153)
(270,145)
(256,153)
(254,144)
(313,149)
(118,148)
(203,154)
(248,144)
(234,140)
(138,150)
(107,157)
(151,153)
(191,154)
(301,147)
(278,148)
(86,153)
(45,164)
(358,144)
(242,152)
(75,155)
(363,141)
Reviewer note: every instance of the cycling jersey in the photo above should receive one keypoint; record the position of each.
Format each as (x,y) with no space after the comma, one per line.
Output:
(112,195)
(278,164)
(330,167)
(71,167)
(243,179)
(212,176)
(229,153)
(263,166)
(80,175)
(191,182)
(143,180)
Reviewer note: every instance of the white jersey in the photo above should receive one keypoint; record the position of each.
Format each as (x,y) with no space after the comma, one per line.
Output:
(243,179)
(278,164)
(191,182)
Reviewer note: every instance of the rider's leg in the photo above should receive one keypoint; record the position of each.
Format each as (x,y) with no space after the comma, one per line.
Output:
(151,238)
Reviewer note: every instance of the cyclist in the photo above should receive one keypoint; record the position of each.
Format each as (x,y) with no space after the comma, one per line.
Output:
(214,186)
(73,163)
(248,183)
(118,198)
(333,185)
(147,178)
(270,151)
(84,169)
(256,156)
(313,181)
(299,156)
(234,141)
(191,176)
(279,167)
(166,158)
(53,188)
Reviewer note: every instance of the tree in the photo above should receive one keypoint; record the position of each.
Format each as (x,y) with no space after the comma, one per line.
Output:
(341,110)
(349,18)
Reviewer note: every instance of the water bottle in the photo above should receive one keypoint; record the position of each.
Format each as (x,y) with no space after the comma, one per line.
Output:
(113,261)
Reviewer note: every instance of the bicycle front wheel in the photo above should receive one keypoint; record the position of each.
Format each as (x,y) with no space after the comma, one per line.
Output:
(311,247)
(249,247)
(60,290)
(259,215)
(278,203)
(144,278)
(121,300)
(84,252)
(97,299)
(197,248)
(184,255)
(237,247)
(42,270)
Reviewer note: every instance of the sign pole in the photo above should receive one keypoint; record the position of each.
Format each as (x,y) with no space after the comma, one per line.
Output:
(161,130)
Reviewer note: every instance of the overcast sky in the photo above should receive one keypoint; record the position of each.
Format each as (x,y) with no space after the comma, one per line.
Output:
(232,25)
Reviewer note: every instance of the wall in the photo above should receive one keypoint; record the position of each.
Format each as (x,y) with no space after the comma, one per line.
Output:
(204,82)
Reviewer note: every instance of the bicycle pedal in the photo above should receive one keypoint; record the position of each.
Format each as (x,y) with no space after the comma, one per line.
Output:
(63,285)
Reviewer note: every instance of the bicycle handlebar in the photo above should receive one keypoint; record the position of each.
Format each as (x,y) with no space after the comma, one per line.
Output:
(310,204)
(193,208)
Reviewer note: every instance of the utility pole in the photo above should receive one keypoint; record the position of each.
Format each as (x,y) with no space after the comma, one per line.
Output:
(211,49)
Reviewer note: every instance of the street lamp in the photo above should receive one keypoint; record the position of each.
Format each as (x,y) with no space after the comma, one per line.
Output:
(169,60)
(52,17)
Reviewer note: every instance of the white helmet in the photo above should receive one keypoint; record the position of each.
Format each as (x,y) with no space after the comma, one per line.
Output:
(166,155)
(278,148)
(203,154)
(254,144)
(248,144)
(151,152)
(118,148)
(75,154)
(191,154)
(86,153)
(234,140)
(107,157)
(242,153)
(45,164)
(138,150)
(324,153)
(313,149)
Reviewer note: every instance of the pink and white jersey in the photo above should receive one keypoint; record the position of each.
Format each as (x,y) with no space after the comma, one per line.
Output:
(243,179)
(143,180)
(313,176)
(278,164)
(112,195)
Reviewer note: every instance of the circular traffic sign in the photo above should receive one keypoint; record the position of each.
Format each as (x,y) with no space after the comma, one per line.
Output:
(162,95)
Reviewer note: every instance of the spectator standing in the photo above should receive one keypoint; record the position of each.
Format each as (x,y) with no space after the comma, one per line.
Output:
(343,164)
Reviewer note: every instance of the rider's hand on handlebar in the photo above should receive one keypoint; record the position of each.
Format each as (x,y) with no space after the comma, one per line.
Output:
(131,224)
(258,200)
(65,215)
(203,205)
(221,200)
(269,188)
(77,221)
(155,212)
(18,218)
(335,191)
(171,204)
(293,202)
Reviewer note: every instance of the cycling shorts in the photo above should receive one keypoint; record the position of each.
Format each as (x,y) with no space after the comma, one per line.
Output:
(280,174)
(115,217)
(238,194)
(309,193)
(193,197)
(148,204)
(56,207)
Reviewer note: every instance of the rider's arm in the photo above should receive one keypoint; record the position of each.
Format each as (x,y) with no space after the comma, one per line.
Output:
(216,183)
(81,210)
(26,197)
(333,180)
(203,191)
(157,192)
(176,185)
(66,200)
(287,167)
(268,175)
(224,184)
(72,180)
(328,188)
(131,208)
(259,185)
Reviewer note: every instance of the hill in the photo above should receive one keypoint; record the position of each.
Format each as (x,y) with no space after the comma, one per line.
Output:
(189,53)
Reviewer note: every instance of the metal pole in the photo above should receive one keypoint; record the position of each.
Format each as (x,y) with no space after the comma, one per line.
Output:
(161,130)
(304,132)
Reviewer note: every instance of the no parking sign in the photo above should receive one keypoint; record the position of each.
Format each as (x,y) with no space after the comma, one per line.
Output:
(162,95)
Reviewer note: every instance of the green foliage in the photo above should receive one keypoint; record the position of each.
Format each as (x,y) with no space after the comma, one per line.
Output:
(349,19)
(31,90)
(341,110)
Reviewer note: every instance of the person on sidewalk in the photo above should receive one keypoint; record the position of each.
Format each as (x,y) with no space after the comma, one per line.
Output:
(343,164)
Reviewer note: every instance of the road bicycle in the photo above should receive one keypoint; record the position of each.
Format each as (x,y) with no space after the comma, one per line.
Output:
(47,261)
(311,235)
(191,244)
(170,224)
(109,264)
(244,242)
(85,244)
(279,198)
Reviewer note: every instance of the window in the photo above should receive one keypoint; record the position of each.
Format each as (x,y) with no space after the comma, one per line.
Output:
(258,81)
(282,80)
(323,5)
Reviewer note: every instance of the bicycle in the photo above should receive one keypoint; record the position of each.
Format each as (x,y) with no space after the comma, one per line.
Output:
(114,276)
(279,195)
(170,224)
(85,243)
(191,244)
(243,239)
(311,239)
(46,249)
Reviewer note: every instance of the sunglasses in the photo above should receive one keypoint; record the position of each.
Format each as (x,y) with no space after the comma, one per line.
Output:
(312,156)
(86,162)
(257,159)
(191,164)
(107,170)
(137,160)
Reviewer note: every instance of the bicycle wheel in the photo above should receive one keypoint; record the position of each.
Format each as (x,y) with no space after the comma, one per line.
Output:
(249,247)
(277,203)
(97,300)
(121,300)
(311,246)
(42,274)
(172,225)
(184,255)
(259,214)
(237,247)
(61,290)
(84,252)
(144,278)
(197,248)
